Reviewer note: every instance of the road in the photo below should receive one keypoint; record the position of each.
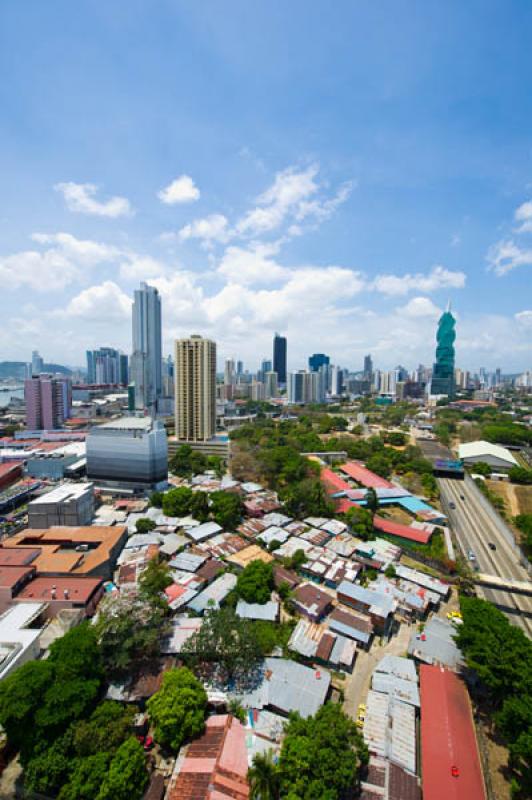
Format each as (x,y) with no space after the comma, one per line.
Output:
(475,524)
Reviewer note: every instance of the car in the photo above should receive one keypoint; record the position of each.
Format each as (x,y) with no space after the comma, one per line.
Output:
(361,715)
(452,505)
(462,497)
(471,556)
(454,615)
(492,546)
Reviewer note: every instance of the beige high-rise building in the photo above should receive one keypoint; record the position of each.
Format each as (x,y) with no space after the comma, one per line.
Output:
(195,389)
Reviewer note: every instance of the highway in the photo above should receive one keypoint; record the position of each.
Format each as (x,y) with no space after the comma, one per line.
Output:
(475,524)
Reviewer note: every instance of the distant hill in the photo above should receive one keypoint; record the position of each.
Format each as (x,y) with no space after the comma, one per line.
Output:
(17,369)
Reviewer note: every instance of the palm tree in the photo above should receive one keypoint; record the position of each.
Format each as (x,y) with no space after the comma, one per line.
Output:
(263,778)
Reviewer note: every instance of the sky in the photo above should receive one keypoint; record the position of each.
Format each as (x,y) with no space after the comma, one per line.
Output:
(337,172)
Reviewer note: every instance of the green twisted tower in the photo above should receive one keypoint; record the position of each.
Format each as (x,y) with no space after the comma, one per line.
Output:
(443,369)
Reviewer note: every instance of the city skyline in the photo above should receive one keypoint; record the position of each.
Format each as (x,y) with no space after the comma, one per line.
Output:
(346,225)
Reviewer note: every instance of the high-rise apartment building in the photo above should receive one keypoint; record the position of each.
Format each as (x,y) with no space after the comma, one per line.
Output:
(271,386)
(146,360)
(318,360)
(37,363)
(106,365)
(229,372)
(279,357)
(368,367)
(48,401)
(306,387)
(195,389)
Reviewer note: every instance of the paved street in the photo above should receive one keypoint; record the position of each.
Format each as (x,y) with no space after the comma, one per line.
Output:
(476,524)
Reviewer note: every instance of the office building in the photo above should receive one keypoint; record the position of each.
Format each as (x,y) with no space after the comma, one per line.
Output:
(239,368)
(388,382)
(279,358)
(146,360)
(106,365)
(442,383)
(37,364)
(306,387)
(67,504)
(229,372)
(368,367)
(195,389)
(258,391)
(271,386)
(48,401)
(337,382)
(318,360)
(128,454)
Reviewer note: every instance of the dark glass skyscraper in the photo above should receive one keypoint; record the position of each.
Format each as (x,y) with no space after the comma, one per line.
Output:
(443,369)
(279,357)
(318,360)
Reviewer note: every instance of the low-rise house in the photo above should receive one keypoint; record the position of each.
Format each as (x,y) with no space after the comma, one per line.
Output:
(282,575)
(20,635)
(435,645)
(251,553)
(273,533)
(276,518)
(311,601)
(182,628)
(379,607)
(317,644)
(288,686)
(223,545)
(60,592)
(214,594)
(201,532)
(424,580)
(354,626)
(390,730)
(213,767)
(188,561)
(268,612)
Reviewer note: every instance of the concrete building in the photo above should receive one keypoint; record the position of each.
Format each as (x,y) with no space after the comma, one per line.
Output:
(271,386)
(146,360)
(37,363)
(73,592)
(106,365)
(19,636)
(68,504)
(195,389)
(307,387)
(48,401)
(129,454)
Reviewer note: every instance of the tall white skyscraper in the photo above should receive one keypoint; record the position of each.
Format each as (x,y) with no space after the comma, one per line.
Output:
(195,389)
(146,360)
(229,372)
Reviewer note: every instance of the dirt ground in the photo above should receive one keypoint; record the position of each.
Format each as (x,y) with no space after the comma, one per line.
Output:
(507,492)
(524,498)
(494,758)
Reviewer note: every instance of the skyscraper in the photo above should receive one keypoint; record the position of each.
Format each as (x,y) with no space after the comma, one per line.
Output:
(146,360)
(37,364)
(279,357)
(271,388)
(48,401)
(105,366)
(318,360)
(368,367)
(195,389)
(443,370)
(229,372)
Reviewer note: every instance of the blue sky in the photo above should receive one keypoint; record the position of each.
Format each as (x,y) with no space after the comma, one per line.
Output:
(335,171)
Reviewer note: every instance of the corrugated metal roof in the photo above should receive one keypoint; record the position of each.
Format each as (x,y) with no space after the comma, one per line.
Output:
(289,686)
(213,594)
(266,611)
(378,603)
(435,645)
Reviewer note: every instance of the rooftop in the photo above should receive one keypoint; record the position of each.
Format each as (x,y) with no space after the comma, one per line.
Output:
(72,588)
(482,448)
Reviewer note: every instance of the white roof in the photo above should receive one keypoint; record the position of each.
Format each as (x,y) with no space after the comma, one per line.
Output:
(62,493)
(481,448)
(15,637)
(204,531)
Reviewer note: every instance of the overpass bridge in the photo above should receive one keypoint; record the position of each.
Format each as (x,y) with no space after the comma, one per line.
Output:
(504,584)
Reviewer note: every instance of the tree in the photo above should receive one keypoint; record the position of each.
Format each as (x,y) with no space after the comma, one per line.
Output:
(390,571)
(154,579)
(156,499)
(178,709)
(264,778)
(360,521)
(372,501)
(21,694)
(180,463)
(255,582)
(105,730)
(520,475)
(87,777)
(145,525)
(199,506)
(380,464)
(129,634)
(176,502)
(321,756)
(481,468)
(226,509)
(226,643)
(127,776)
(307,498)
(47,772)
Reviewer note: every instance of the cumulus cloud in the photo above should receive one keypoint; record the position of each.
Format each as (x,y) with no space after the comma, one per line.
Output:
(524,318)
(208,229)
(506,255)
(84,251)
(180,190)
(420,307)
(105,302)
(141,268)
(80,197)
(251,265)
(438,278)
(524,215)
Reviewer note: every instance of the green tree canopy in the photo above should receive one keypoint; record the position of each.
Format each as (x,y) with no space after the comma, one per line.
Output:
(145,525)
(372,501)
(176,502)
(127,776)
(178,709)
(154,579)
(255,582)
(307,498)
(360,521)
(226,509)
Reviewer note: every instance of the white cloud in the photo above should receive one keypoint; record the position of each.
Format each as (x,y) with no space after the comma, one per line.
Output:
(103,303)
(456,240)
(80,197)
(252,265)
(141,268)
(438,278)
(180,190)
(420,307)
(524,318)
(208,229)
(524,215)
(504,256)
(84,251)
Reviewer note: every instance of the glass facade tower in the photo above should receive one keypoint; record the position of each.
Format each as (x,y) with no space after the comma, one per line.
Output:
(443,369)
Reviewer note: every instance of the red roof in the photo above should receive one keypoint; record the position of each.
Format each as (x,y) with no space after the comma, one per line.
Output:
(17,556)
(9,466)
(343,504)
(10,576)
(449,752)
(332,481)
(404,531)
(364,476)
(80,589)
